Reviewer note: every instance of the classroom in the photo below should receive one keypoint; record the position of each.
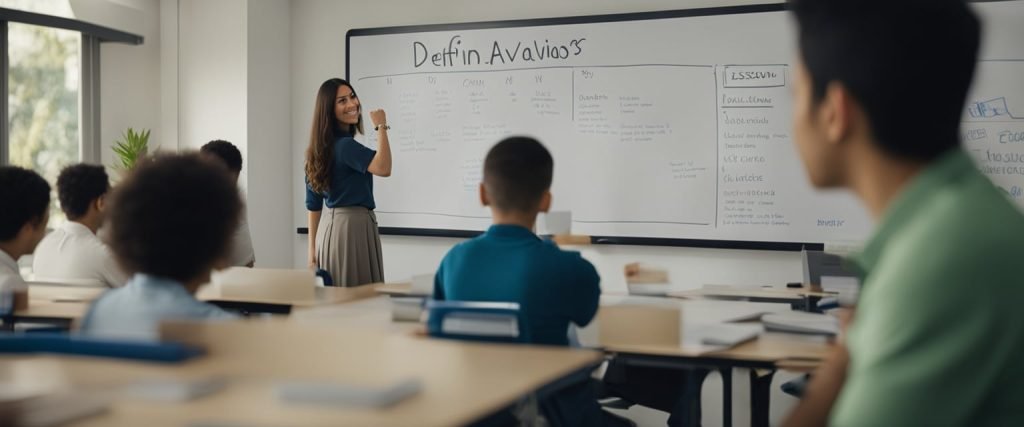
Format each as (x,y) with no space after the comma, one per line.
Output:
(511,213)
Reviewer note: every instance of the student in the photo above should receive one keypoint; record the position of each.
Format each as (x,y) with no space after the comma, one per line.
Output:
(937,335)
(24,212)
(73,251)
(509,263)
(158,234)
(345,240)
(242,254)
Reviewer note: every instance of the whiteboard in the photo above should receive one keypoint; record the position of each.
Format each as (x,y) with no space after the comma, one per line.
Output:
(666,127)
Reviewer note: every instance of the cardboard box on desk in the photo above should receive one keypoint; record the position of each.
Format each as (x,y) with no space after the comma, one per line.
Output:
(648,280)
(264,283)
(639,325)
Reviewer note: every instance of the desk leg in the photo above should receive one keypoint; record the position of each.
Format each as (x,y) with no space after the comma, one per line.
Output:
(726,396)
(687,410)
(812,304)
(760,397)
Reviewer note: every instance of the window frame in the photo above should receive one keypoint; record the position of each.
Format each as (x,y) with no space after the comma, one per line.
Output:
(90,146)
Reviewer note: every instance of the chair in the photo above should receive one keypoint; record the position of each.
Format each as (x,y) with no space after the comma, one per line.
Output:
(325,277)
(506,323)
(797,386)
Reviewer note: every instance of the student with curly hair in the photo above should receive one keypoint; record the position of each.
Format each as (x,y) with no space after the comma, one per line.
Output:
(159,236)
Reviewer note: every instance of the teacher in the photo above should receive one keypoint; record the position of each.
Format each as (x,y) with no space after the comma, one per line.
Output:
(339,173)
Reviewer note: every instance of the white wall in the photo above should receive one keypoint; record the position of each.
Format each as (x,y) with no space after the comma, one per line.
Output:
(318,53)
(129,74)
(168,74)
(269,131)
(223,73)
(212,73)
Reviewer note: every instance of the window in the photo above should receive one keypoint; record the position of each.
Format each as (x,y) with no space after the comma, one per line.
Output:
(50,117)
(43,103)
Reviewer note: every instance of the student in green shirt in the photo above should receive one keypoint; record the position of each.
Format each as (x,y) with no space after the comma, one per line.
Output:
(937,337)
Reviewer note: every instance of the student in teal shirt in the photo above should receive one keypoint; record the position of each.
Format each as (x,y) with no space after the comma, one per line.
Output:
(937,337)
(509,263)
(171,224)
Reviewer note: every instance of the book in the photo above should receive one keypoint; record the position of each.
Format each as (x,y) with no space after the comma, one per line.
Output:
(729,334)
(801,322)
(482,324)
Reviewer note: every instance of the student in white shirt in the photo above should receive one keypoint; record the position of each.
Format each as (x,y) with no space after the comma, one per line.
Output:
(158,234)
(24,211)
(242,254)
(73,251)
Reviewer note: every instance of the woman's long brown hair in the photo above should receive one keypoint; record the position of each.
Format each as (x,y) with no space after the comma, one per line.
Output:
(325,130)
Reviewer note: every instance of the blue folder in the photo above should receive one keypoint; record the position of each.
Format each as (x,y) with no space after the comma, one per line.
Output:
(167,352)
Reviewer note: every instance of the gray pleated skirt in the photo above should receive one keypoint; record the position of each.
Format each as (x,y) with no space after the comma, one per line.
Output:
(348,246)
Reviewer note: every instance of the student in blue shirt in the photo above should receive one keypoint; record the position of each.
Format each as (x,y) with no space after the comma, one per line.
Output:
(509,263)
(171,224)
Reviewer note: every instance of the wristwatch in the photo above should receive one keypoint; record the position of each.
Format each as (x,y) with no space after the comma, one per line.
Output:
(385,126)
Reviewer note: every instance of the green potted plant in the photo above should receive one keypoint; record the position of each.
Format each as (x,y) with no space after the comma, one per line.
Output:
(132,147)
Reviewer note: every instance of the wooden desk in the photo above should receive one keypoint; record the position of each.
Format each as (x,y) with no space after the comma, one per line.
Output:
(259,298)
(367,314)
(462,382)
(60,305)
(281,300)
(775,293)
(798,365)
(801,298)
(398,289)
(660,327)
(63,292)
(60,314)
(653,332)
